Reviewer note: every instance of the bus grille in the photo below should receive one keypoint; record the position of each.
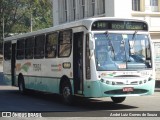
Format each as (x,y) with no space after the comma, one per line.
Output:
(120,91)
(127,76)
(131,83)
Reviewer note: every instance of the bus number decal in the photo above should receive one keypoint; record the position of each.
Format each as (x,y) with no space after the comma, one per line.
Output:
(36,67)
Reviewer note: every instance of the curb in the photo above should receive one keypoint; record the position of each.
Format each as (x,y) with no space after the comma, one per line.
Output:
(157,86)
(157,90)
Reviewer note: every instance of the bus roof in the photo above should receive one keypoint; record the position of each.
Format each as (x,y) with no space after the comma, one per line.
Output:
(84,22)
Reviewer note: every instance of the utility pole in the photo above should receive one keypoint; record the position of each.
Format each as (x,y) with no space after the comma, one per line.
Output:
(31,23)
(3,25)
(2,12)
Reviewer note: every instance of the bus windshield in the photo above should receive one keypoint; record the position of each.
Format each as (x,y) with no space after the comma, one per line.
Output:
(116,51)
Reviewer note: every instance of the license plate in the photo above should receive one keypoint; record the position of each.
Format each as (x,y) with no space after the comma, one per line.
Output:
(128,89)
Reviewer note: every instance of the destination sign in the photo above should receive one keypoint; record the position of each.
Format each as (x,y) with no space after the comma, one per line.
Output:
(119,25)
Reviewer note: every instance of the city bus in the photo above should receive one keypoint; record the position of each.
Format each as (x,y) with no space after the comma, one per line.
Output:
(91,58)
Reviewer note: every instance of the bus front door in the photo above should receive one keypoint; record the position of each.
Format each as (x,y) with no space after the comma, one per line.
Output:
(13,64)
(78,62)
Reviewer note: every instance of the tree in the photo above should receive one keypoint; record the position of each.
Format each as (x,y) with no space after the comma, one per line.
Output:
(37,15)
(19,16)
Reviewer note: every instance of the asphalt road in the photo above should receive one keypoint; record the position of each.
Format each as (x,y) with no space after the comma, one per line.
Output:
(51,105)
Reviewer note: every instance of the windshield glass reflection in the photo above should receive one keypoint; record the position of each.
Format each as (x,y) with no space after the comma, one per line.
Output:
(122,51)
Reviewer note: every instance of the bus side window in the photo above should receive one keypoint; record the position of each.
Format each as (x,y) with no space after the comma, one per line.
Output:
(29,47)
(20,49)
(7,50)
(39,46)
(51,45)
(65,43)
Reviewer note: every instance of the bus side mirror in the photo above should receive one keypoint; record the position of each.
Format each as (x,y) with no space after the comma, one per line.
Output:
(91,42)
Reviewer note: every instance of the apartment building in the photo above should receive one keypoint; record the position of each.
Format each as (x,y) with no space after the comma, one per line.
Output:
(148,10)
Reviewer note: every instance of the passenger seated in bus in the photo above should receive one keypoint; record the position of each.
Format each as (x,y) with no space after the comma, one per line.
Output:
(104,60)
(111,50)
(101,55)
(120,56)
(124,54)
(50,52)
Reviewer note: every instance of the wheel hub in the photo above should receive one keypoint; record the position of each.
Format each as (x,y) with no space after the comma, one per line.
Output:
(66,92)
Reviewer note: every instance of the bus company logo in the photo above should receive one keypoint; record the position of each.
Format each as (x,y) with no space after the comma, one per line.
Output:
(112,74)
(59,67)
(56,67)
(24,67)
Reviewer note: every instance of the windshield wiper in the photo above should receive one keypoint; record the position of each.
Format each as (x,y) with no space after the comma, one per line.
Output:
(133,38)
(110,42)
(134,34)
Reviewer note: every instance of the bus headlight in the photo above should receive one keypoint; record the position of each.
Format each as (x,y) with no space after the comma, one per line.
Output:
(140,82)
(107,82)
(113,83)
(102,80)
(150,78)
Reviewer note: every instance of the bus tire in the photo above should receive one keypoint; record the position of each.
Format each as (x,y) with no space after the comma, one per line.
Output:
(118,99)
(66,92)
(21,85)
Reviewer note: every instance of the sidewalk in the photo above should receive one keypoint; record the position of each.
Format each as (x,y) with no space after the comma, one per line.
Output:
(157,90)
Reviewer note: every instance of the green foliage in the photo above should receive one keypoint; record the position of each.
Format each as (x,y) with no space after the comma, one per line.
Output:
(18,14)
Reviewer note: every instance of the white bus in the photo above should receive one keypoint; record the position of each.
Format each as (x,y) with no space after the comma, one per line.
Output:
(96,57)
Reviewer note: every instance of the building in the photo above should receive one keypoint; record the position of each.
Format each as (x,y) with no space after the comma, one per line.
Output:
(148,10)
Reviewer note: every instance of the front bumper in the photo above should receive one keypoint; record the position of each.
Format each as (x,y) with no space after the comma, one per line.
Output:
(101,89)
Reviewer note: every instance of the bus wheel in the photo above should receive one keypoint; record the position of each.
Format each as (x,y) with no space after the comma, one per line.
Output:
(21,85)
(118,99)
(66,93)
